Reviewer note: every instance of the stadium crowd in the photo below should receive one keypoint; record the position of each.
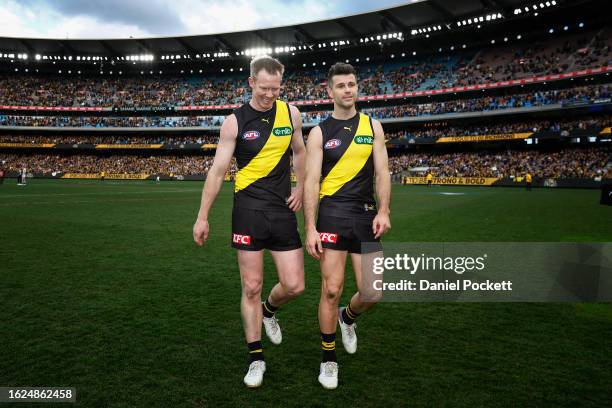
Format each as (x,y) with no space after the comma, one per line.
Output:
(116,164)
(498,63)
(502,128)
(486,103)
(432,130)
(567,163)
(558,55)
(111,121)
(118,140)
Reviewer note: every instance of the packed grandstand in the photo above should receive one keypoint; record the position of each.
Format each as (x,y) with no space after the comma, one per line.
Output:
(534,99)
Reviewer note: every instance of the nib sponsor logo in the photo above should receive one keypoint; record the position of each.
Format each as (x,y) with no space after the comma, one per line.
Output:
(364,140)
(328,237)
(282,131)
(241,239)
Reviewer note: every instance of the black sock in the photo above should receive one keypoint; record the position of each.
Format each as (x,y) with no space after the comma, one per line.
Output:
(268,309)
(348,315)
(328,344)
(255,351)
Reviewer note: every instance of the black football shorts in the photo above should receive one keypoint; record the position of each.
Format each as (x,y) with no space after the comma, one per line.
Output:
(347,234)
(254,230)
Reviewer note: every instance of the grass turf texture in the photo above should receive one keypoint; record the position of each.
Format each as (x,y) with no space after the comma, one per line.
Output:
(103,289)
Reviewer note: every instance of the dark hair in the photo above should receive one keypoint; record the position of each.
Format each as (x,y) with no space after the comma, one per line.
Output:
(340,68)
(265,62)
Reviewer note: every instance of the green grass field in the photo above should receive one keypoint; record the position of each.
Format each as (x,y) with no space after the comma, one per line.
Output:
(102,289)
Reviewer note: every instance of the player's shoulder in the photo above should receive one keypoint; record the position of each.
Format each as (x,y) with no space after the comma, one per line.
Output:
(376,125)
(230,119)
(293,109)
(374,122)
(315,131)
(230,124)
(294,112)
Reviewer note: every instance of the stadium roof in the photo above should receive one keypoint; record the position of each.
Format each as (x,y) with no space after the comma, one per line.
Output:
(443,15)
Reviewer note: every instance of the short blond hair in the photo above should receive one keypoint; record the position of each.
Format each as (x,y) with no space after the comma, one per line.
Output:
(268,63)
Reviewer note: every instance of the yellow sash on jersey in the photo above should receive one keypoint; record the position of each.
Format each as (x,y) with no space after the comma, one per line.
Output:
(270,154)
(352,161)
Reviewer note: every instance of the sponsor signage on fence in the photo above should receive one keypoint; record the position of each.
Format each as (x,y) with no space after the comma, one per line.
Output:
(484,138)
(458,181)
(110,176)
(27,145)
(128,146)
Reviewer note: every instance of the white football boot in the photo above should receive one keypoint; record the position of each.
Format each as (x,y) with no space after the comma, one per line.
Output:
(328,375)
(347,331)
(273,330)
(254,377)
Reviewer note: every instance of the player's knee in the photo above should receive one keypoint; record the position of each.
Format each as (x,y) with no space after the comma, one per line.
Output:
(332,291)
(251,288)
(294,289)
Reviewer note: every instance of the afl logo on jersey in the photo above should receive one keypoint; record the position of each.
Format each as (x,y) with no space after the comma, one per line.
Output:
(332,144)
(250,135)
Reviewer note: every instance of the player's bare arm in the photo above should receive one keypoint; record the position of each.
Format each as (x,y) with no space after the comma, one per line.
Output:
(382,222)
(314,160)
(299,156)
(215,177)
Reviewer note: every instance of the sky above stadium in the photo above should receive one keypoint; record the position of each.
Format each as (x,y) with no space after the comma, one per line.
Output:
(152,18)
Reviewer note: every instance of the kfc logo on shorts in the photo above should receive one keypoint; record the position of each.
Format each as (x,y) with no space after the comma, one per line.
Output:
(332,144)
(241,239)
(250,135)
(328,237)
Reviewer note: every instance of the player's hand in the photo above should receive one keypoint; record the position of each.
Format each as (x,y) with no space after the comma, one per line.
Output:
(200,232)
(295,199)
(313,244)
(381,224)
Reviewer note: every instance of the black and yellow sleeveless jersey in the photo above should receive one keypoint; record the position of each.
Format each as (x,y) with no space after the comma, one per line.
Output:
(262,152)
(347,175)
